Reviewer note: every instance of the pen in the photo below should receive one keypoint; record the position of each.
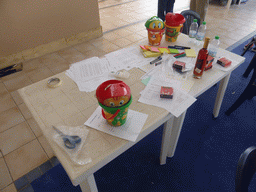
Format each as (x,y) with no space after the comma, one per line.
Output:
(155,60)
(181,47)
(178,47)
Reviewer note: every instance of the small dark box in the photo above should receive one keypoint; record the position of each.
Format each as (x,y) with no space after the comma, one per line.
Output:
(224,62)
(179,65)
(166,92)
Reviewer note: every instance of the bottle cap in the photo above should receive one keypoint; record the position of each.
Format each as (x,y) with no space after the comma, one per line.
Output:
(217,37)
(204,23)
(195,20)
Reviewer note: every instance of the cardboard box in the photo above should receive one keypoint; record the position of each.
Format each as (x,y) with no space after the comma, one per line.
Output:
(166,92)
(224,62)
(179,65)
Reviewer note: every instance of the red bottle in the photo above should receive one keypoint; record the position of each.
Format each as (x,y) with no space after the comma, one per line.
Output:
(201,60)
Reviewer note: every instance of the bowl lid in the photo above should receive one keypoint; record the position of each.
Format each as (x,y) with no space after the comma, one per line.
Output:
(112,88)
(174,19)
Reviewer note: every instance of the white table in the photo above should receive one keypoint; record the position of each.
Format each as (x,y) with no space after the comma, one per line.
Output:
(76,107)
(210,78)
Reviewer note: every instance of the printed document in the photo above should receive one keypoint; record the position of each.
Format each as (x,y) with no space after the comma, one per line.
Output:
(126,58)
(88,69)
(129,131)
(90,73)
(180,102)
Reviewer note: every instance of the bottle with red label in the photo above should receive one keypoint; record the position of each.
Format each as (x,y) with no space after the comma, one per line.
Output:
(201,60)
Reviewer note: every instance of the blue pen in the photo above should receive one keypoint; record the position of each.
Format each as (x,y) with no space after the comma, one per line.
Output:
(178,47)
(171,47)
(181,47)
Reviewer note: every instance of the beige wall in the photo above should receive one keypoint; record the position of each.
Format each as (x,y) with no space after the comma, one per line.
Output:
(25,24)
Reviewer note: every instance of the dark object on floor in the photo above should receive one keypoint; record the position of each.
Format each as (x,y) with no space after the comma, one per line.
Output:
(250,90)
(246,46)
(246,168)
(249,45)
(189,16)
(253,61)
(251,66)
(11,69)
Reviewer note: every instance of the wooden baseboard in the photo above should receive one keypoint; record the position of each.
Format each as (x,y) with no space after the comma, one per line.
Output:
(49,47)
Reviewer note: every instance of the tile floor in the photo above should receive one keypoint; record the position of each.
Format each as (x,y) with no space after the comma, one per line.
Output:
(24,152)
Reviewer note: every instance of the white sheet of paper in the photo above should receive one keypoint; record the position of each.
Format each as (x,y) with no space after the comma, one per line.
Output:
(129,131)
(124,59)
(92,84)
(166,73)
(136,50)
(153,71)
(88,69)
(70,74)
(146,68)
(90,73)
(176,106)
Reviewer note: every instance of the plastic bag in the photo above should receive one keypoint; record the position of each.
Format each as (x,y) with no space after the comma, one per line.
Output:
(168,73)
(79,154)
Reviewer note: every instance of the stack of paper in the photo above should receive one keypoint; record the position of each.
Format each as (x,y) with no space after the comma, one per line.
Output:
(127,58)
(176,106)
(90,73)
(163,75)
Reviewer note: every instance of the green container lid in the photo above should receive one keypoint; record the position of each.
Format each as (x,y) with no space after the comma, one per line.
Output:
(195,20)
(204,23)
(217,37)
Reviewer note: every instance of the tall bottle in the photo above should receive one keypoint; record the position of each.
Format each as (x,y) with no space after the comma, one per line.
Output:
(193,29)
(214,46)
(201,60)
(201,32)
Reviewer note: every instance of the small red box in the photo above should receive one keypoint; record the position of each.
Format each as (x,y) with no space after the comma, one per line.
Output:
(166,92)
(179,65)
(224,62)
(209,63)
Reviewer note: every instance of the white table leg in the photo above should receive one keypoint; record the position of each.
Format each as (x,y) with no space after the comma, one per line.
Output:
(220,95)
(165,140)
(175,133)
(89,185)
